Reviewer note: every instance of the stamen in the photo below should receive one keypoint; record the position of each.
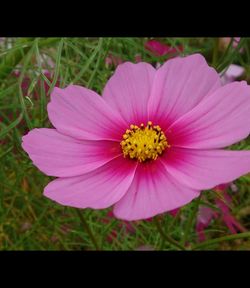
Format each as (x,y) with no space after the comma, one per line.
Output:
(144,142)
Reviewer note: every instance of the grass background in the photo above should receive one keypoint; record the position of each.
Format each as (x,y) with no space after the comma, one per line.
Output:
(28,220)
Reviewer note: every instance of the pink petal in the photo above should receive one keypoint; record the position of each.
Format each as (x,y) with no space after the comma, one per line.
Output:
(153,191)
(230,221)
(234,188)
(233,225)
(174,212)
(161,49)
(222,187)
(156,47)
(128,91)
(97,189)
(236,42)
(108,61)
(179,85)
(220,120)
(205,169)
(205,215)
(58,155)
(112,60)
(233,72)
(81,113)
(200,230)
(138,58)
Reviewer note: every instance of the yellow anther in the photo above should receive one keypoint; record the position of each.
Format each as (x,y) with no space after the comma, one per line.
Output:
(144,143)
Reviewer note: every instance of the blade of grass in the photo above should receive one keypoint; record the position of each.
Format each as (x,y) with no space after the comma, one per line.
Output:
(57,68)
(89,62)
(166,237)
(96,66)
(221,239)
(12,58)
(190,221)
(6,130)
(87,229)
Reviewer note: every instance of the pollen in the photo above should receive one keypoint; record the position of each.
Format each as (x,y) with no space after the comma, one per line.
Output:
(144,143)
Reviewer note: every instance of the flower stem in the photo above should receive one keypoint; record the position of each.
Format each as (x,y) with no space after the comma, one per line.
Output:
(166,237)
(88,230)
(215,51)
(221,239)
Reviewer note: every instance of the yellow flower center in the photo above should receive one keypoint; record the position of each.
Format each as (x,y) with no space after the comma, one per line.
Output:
(144,142)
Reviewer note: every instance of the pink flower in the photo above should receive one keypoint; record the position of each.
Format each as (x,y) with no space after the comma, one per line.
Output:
(224,42)
(205,216)
(112,235)
(161,49)
(222,187)
(112,60)
(232,73)
(149,145)
(138,58)
(234,188)
(233,225)
(236,41)
(174,212)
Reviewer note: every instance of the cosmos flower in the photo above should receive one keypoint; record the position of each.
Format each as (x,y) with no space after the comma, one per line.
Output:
(149,145)
(232,73)
(230,221)
(138,58)
(155,47)
(225,41)
(204,218)
(161,49)
(206,214)
(112,60)
(174,212)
